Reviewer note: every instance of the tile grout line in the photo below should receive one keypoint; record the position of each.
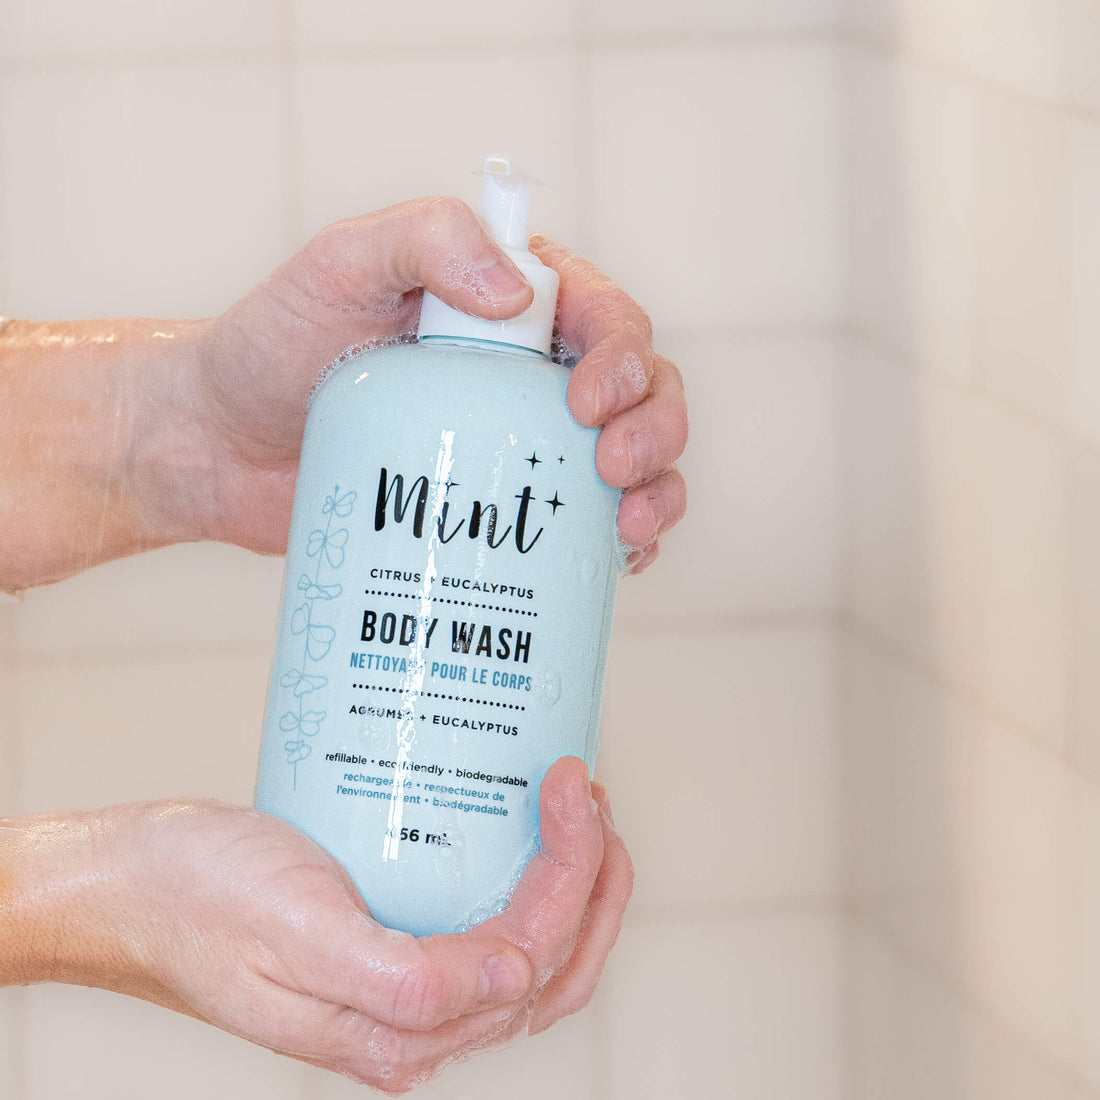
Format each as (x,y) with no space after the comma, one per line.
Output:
(752,909)
(976,393)
(961,993)
(888,46)
(865,634)
(290,153)
(18,1037)
(1071,621)
(198,651)
(402,49)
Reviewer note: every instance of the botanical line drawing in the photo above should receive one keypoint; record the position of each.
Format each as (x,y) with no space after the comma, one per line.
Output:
(327,546)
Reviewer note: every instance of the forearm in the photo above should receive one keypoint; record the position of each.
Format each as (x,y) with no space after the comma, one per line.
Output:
(50,893)
(94,443)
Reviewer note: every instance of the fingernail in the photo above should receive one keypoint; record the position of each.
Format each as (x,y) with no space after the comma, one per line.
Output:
(659,510)
(612,394)
(505,277)
(504,979)
(643,451)
(607,810)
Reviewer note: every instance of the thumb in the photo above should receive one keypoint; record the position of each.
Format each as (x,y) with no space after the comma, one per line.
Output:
(437,243)
(459,262)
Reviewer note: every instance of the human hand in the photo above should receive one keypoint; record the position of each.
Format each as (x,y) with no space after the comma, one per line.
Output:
(232,916)
(358,282)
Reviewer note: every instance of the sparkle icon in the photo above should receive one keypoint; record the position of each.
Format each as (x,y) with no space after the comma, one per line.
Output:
(555,504)
(534,459)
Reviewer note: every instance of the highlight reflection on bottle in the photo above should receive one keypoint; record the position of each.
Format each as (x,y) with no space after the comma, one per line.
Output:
(450,584)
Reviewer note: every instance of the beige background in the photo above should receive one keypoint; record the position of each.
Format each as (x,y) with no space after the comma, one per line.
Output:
(852,726)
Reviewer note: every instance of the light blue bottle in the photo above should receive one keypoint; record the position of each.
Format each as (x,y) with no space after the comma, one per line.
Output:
(450,584)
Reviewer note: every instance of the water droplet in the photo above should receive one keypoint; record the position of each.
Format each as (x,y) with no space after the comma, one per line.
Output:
(547,687)
(376,733)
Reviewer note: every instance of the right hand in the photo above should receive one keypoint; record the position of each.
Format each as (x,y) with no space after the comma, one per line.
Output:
(232,916)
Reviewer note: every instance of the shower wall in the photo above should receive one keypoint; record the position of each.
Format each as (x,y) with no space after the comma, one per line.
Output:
(158,159)
(970,595)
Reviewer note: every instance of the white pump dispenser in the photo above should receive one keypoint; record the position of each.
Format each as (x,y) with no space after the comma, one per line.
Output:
(505,209)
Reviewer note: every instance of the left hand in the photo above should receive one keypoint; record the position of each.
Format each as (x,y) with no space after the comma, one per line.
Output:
(359,281)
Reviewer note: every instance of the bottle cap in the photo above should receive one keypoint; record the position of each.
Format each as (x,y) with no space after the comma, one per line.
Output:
(505,209)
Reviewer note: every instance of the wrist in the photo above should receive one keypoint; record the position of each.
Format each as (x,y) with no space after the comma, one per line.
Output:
(95,414)
(50,876)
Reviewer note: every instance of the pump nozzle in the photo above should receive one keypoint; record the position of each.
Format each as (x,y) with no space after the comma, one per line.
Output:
(505,208)
(506,202)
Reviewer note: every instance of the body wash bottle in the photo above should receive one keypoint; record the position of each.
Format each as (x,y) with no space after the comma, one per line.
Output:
(450,583)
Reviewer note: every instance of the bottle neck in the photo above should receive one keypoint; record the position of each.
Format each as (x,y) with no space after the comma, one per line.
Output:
(484,345)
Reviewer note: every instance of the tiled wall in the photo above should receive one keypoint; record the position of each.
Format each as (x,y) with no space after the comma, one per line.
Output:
(157,159)
(971,548)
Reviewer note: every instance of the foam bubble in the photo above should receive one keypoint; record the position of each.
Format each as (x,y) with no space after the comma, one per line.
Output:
(351,353)
(561,352)
(633,371)
(461,273)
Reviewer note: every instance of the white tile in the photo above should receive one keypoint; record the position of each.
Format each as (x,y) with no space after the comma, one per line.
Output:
(711,210)
(616,17)
(962,840)
(1085,214)
(1083,48)
(956,537)
(1089,957)
(332,23)
(104,732)
(123,1049)
(155,192)
(909,135)
(914,1038)
(761,531)
(434,141)
(1017,44)
(182,596)
(10,1001)
(1024,230)
(33,28)
(557,1063)
(9,777)
(718,753)
(725,1007)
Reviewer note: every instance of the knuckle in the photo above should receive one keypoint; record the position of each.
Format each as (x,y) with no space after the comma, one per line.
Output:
(419,998)
(442,214)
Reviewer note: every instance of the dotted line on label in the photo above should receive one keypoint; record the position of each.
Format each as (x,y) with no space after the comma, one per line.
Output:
(443,599)
(440,695)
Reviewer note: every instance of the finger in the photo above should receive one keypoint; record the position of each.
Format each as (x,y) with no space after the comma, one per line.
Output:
(572,988)
(396,1061)
(611,377)
(547,906)
(637,444)
(597,318)
(647,511)
(641,560)
(351,1042)
(410,983)
(436,243)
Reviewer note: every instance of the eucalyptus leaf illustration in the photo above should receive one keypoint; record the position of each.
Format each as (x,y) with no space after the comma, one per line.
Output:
(327,547)
(319,641)
(308,724)
(302,683)
(341,505)
(297,751)
(332,543)
(314,591)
